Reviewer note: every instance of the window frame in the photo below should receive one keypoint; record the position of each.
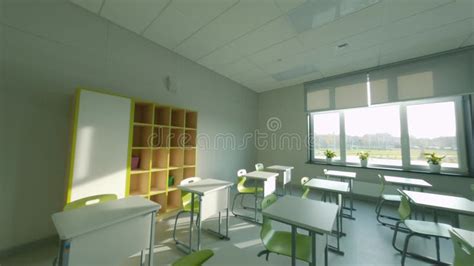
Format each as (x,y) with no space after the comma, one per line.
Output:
(406,164)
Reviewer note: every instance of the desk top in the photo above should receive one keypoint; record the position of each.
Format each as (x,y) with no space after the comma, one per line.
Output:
(205,186)
(343,174)
(415,182)
(467,235)
(280,167)
(328,185)
(261,175)
(81,221)
(442,202)
(316,216)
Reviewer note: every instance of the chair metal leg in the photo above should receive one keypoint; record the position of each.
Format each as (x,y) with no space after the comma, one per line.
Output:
(394,239)
(378,210)
(175,223)
(264,252)
(233,202)
(405,247)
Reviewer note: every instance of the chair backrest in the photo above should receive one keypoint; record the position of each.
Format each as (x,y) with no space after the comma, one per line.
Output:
(382,184)
(259,167)
(241,179)
(266,232)
(463,251)
(404,209)
(303,181)
(89,201)
(185,196)
(325,173)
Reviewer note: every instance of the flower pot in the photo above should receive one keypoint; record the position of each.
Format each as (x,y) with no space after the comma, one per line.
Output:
(435,168)
(363,163)
(328,160)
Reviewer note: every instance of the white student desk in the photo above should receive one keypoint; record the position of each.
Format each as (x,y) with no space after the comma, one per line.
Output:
(452,204)
(213,197)
(106,233)
(344,175)
(407,183)
(286,174)
(468,236)
(332,187)
(269,184)
(315,216)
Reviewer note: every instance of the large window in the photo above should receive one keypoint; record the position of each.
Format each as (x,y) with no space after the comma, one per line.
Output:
(395,135)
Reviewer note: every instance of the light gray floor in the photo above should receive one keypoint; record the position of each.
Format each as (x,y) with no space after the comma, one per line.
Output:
(366,243)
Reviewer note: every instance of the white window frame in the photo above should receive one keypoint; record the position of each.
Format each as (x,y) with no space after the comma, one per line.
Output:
(404,138)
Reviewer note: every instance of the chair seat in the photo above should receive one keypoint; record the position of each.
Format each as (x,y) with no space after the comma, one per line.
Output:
(396,198)
(195,259)
(280,243)
(249,190)
(428,228)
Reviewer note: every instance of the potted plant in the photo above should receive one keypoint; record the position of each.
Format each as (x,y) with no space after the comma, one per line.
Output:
(434,161)
(329,155)
(363,157)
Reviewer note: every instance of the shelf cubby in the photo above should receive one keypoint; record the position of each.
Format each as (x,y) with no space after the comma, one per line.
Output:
(143,113)
(160,158)
(158,182)
(162,115)
(177,137)
(178,177)
(190,138)
(174,200)
(161,137)
(189,172)
(144,157)
(190,157)
(191,119)
(142,136)
(139,184)
(162,200)
(177,117)
(176,157)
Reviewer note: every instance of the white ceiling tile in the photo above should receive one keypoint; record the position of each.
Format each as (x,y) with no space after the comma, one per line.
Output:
(274,53)
(344,27)
(224,55)
(133,15)
(398,9)
(182,18)
(469,41)
(238,20)
(287,5)
(271,33)
(91,5)
(441,39)
(359,41)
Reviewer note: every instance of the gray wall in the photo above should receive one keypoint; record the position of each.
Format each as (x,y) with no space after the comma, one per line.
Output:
(287,104)
(52,47)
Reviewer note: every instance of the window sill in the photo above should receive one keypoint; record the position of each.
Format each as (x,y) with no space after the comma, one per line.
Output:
(371,167)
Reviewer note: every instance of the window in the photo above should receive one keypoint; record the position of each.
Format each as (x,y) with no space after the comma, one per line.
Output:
(326,134)
(375,130)
(395,135)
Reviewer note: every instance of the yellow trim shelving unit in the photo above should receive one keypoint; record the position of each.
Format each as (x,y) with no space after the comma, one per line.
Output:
(164,143)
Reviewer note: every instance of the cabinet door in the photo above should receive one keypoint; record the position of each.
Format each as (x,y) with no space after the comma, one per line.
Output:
(100,145)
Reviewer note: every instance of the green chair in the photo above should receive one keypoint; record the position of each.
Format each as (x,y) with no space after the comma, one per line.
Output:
(186,203)
(385,198)
(279,242)
(463,251)
(259,167)
(417,228)
(243,190)
(195,259)
(89,201)
(303,181)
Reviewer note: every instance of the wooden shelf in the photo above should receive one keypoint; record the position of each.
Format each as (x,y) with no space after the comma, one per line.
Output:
(160,159)
(177,138)
(174,200)
(177,117)
(162,115)
(176,157)
(143,113)
(190,138)
(142,136)
(177,174)
(159,181)
(162,200)
(161,137)
(189,172)
(189,157)
(191,119)
(139,184)
(143,156)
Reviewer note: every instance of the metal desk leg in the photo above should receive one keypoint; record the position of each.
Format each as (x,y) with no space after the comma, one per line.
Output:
(219,226)
(337,249)
(255,184)
(293,245)
(191,225)
(152,239)
(313,248)
(199,225)
(326,252)
(227,223)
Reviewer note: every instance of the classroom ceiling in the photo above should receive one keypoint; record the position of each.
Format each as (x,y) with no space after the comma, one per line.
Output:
(268,44)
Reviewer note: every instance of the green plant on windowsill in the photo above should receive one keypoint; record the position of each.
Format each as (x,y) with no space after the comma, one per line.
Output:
(329,154)
(434,161)
(363,157)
